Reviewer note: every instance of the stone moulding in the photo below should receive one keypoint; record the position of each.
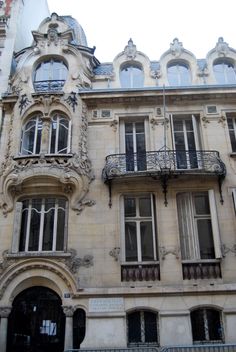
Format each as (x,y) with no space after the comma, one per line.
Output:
(72,174)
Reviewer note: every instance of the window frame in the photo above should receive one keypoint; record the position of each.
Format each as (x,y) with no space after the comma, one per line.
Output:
(206,325)
(188,229)
(59,116)
(178,75)
(142,328)
(38,120)
(18,232)
(225,74)
(138,220)
(128,80)
(52,71)
(232,131)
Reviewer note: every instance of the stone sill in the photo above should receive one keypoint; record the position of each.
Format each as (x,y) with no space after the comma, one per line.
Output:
(26,255)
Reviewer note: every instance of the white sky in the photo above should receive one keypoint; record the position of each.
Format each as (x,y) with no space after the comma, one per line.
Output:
(152,24)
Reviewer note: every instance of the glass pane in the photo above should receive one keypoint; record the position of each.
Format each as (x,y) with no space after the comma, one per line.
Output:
(232,140)
(178,125)
(48,224)
(23,227)
(60,228)
(63,136)
(145,206)
(214,325)
(147,240)
(131,77)
(35,226)
(198,327)
(205,236)
(131,252)
(134,327)
(130,207)
(150,320)
(201,204)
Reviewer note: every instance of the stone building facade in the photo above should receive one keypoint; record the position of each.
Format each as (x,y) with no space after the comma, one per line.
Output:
(117,196)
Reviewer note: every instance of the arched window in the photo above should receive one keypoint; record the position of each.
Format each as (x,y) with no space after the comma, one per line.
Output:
(206,325)
(43,224)
(57,142)
(224,71)
(50,75)
(31,136)
(142,328)
(131,76)
(59,135)
(178,74)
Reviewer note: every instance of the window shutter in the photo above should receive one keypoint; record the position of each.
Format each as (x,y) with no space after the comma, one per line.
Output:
(186,229)
(16,228)
(215,224)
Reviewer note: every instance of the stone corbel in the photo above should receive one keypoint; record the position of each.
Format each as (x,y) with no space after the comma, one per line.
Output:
(205,121)
(222,119)
(115,253)
(114,125)
(170,250)
(84,203)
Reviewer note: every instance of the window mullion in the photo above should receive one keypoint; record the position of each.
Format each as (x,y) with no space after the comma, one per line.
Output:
(206,328)
(55,226)
(28,227)
(42,215)
(142,323)
(135,146)
(57,134)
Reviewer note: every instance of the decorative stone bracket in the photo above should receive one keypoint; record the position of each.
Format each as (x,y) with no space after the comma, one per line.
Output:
(170,250)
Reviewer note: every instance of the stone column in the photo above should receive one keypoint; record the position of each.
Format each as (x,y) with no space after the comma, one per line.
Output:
(45,135)
(4,313)
(68,311)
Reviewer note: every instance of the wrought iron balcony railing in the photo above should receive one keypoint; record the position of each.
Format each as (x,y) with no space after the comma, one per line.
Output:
(161,162)
(49,86)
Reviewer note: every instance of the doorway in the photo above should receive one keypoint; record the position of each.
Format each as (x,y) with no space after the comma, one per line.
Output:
(36,322)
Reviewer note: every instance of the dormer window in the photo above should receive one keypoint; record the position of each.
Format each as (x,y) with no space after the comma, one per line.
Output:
(50,75)
(131,76)
(224,71)
(178,74)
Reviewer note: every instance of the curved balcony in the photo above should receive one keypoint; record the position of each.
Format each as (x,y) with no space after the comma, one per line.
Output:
(163,164)
(49,85)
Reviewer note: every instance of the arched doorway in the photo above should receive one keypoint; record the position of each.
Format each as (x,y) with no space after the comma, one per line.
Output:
(36,322)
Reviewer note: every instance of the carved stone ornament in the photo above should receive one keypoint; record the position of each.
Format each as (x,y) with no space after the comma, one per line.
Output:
(222,119)
(115,253)
(164,251)
(84,203)
(176,47)
(225,250)
(74,172)
(160,121)
(74,262)
(130,50)
(222,47)
(5,311)
(72,100)
(205,121)
(46,100)
(68,311)
(114,125)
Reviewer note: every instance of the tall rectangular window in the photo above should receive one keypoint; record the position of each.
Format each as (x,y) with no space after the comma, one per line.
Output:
(198,226)
(139,225)
(231,120)
(186,141)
